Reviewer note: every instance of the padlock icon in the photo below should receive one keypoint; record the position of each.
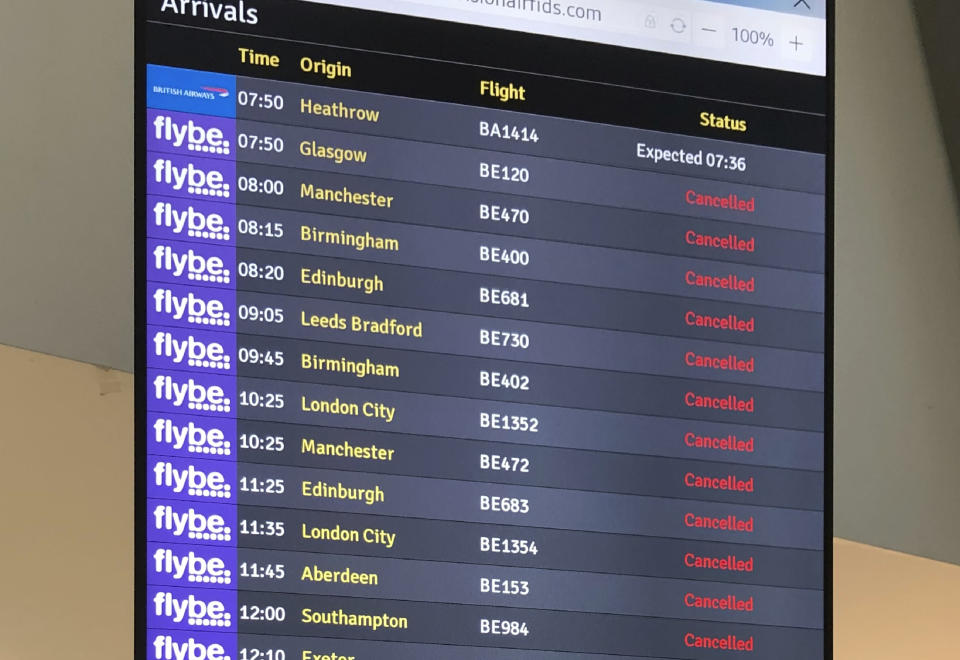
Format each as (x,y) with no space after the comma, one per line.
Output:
(651,22)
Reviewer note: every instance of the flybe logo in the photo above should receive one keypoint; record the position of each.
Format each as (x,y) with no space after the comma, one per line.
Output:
(192,307)
(190,480)
(190,393)
(166,647)
(190,178)
(190,567)
(190,351)
(191,523)
(192,264)
(191,610)
(196,439)
(190,221)
(190,135)
(219,11)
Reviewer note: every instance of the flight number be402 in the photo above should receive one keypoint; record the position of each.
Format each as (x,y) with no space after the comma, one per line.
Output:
(505,297)
(502,381)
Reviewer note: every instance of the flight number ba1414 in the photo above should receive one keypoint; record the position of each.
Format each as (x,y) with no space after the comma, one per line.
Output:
(509,132)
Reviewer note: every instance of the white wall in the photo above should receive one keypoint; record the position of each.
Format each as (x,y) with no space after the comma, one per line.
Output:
(66,230)
(898,293)
(66,159)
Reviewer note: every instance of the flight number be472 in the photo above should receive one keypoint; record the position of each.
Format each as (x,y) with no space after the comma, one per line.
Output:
(504,463)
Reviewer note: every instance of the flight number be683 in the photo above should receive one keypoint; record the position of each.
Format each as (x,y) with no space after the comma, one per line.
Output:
(504,504)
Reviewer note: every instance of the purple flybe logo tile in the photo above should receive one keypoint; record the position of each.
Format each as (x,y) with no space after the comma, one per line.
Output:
(191,220)
(177,565)
(193,609)
(182,133)
(172,521)
(177,392)
(184,435)
(175,304)
(191,350)
(190,645)
(191,479)
(190,176)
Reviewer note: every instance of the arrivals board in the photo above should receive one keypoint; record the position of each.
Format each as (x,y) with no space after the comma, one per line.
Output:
(488,330)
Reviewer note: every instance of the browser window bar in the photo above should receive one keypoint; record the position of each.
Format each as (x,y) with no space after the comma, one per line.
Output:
(716,30)
(814,8)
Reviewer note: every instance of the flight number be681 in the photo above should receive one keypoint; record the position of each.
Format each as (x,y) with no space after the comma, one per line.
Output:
(504,297)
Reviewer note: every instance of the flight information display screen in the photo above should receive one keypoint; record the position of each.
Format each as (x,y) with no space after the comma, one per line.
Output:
(483,330)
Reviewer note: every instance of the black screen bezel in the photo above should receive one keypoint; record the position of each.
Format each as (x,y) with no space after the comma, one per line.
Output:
(141,15)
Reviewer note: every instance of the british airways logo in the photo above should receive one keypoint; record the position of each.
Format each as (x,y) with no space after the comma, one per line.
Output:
(219,91)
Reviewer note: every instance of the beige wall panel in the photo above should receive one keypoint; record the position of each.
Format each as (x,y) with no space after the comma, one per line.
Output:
(892,606)
(66,509)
